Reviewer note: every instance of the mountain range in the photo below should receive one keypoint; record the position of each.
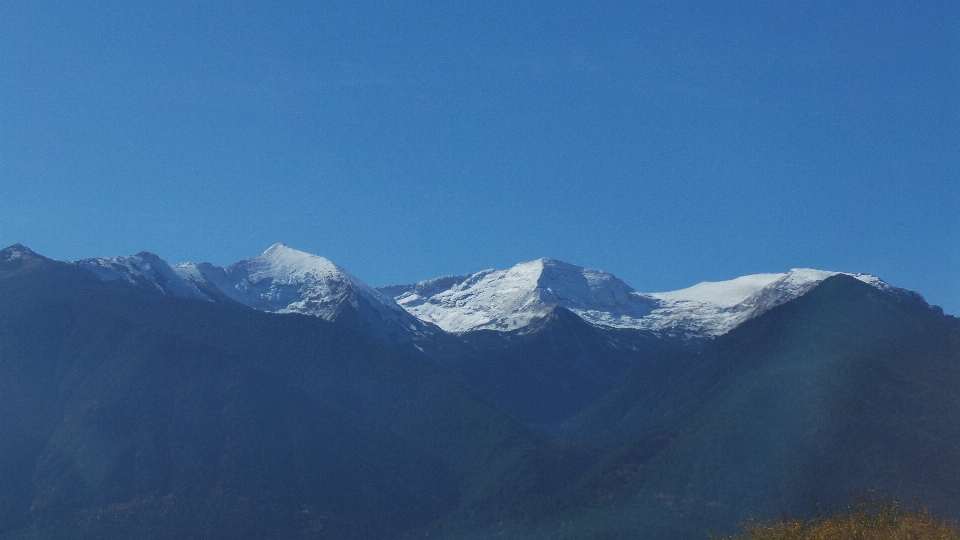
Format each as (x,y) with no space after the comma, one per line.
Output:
(280,396)
(285,280)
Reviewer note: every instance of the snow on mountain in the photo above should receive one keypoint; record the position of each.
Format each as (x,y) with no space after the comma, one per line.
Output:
(17,252)
(285,280)
(16,258)
(721,293)
(714,308)
(146,269)
(511,299)
(279,280)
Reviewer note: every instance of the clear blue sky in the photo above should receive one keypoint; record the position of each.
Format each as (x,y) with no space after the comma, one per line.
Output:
(665,142)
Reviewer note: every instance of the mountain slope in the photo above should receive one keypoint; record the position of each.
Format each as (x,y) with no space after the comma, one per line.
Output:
(132,405)
(715,308)
(285,280)
(549,370)
(843,390)
(506,300)
(151,416)
(279,280)
(509,300)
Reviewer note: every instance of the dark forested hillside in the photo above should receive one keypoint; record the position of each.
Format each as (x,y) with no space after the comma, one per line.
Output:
(126,414)
(551,370)
(844,390)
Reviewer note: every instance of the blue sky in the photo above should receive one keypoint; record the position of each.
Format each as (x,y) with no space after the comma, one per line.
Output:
(665,142)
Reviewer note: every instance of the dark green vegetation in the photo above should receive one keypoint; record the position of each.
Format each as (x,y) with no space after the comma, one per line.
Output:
(129,415)
(550,371)
(846,389)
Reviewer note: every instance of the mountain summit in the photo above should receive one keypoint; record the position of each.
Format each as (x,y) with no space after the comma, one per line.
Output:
(511,299)
(279,280)
(713,308)
(286,280)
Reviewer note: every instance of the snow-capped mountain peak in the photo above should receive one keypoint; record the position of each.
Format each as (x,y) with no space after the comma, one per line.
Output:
(510,299)
(285,264)
(279,280)
(18,257)
(286,280)
(714,308)
(144,268)
(17,251)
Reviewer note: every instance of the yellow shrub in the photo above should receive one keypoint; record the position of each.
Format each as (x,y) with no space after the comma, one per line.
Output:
(865,522)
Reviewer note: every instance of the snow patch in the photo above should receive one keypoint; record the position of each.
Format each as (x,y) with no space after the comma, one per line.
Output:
(279,280)
(720,293)
(144,268)
(511,299)
(286,280)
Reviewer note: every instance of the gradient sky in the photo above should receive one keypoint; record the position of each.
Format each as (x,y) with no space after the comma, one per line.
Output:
(665,142)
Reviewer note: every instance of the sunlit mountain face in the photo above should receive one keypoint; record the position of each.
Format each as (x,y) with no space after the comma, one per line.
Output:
(285,280)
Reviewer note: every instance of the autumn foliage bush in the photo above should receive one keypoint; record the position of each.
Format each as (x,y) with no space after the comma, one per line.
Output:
(867,521)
